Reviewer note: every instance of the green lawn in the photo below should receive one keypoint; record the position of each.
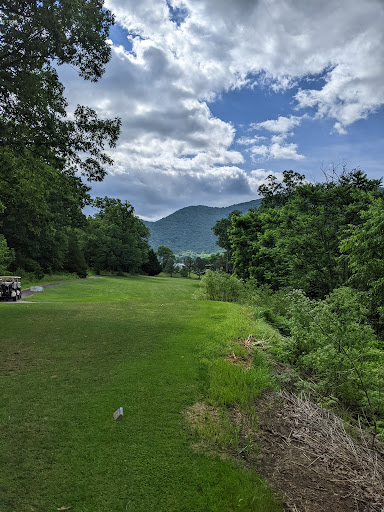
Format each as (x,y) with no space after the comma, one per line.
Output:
(68,363)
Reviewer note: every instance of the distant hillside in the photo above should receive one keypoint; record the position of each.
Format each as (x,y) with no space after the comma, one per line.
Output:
(189,230)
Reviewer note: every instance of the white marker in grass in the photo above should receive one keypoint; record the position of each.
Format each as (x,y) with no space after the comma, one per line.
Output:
(118,414)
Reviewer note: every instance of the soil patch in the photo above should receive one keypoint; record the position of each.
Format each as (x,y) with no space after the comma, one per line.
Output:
(308,457)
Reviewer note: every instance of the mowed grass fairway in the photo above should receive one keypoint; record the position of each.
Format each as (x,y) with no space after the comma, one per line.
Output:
(66,364)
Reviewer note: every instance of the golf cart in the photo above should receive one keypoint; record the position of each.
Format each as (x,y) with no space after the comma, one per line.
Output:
(10,288)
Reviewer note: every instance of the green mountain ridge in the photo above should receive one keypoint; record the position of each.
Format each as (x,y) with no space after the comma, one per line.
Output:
(189,230)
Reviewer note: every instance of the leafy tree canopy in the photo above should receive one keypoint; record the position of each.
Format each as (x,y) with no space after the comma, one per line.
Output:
(36,36)
(170,267)
(117,239)
(364,249)
(222,230)
(165,253)
(152,267)
(295,240)
(41,207)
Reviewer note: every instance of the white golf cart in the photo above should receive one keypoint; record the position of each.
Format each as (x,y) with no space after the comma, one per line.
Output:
(10,288)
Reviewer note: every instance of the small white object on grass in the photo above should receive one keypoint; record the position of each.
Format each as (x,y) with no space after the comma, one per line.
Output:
(118,414)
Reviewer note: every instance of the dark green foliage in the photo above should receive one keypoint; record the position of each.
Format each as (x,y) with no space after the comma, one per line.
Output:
(117,239)
(165,253)
(333,341)
(37,36)
(189,231)
(364,249)
(279,193)
(255,238)
(184,271)
(216,261)
(152,267)
(41,206)
(75,259)
(170,267)
(5,255)
(188,265)
(296,244)
(199,267)
(42,151)
(222,230)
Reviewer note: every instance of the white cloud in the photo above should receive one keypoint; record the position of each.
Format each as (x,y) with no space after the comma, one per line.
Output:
(277,147)
(161,87)
(276,150)
(280,125)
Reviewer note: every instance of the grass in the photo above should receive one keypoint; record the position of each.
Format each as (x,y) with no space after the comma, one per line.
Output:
(82,350)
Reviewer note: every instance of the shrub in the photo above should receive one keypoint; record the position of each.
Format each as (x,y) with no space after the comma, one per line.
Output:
(217,285)
(332,339)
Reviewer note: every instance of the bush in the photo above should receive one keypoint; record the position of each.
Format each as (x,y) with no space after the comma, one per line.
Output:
(217,285)
(332,340)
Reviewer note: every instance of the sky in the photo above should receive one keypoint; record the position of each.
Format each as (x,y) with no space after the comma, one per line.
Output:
(215,95)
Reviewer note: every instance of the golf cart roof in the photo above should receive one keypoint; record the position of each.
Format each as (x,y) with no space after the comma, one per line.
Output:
(6,278)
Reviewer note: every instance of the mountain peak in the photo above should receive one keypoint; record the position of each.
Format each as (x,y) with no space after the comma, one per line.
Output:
(189,230)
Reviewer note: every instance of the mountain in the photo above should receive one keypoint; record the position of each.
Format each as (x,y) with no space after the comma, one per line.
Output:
(189,230)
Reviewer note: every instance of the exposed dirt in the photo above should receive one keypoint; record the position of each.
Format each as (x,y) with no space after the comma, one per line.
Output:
(308,457)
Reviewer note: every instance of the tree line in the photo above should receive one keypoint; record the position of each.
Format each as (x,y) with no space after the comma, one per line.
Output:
(315,237)
(49,159)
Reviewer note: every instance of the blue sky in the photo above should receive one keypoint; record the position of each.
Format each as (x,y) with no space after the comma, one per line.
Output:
(215,95)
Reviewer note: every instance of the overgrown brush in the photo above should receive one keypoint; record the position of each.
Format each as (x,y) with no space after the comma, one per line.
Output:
(216,285)
(267,304)
(332,341)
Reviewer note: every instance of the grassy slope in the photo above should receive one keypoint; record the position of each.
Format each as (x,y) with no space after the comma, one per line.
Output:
(68,364)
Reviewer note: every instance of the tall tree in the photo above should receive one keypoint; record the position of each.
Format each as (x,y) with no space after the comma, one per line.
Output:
(296,243)
(117,239)
(199,267)
(41,206)
(165,253)
(364,249)
(222,230)
(36,36)
(276,193)
(170,267)
(188,265)
(152,267)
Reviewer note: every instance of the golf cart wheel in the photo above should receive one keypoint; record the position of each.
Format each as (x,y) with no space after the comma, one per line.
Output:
(15,298)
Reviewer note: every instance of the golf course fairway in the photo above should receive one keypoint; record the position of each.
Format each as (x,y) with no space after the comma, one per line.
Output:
(73,355)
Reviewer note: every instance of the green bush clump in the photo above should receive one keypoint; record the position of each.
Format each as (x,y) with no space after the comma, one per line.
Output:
(220,286)
(332,340)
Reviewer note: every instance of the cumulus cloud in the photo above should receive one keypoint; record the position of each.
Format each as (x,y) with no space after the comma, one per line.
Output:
(154,198)
(182,54)
(280,125)
(277,147)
